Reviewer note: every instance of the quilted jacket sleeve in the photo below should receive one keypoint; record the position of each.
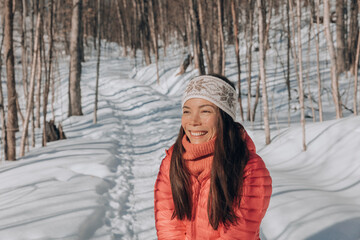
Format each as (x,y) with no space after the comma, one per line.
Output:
(167,228)
(257,188)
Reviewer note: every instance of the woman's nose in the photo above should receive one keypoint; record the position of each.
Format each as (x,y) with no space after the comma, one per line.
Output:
(195,119)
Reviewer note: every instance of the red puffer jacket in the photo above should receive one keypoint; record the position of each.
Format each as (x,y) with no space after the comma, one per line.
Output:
(255,199)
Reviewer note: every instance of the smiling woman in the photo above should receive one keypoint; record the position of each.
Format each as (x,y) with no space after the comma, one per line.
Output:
(200,120)
(211,184)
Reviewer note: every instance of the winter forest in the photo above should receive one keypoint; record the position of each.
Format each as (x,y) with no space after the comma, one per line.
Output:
(90,99)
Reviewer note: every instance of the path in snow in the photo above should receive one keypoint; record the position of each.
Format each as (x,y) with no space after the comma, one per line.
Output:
(149,123)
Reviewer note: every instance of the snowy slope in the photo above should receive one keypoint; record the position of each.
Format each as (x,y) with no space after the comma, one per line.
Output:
(98,184)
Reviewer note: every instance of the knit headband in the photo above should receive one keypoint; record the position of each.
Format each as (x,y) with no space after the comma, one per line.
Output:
(214,90)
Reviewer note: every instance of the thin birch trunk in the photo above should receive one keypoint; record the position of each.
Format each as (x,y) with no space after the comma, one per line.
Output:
(24,49)
(262,53)
(154,38)
(122,29)
(300,82)
(257,96)
(288,59)
(75,108)
(206,49)
(334,71)
(236,40)
(198,53)
(2,109)
(49,72)
(32,86)
(12,122)
(318,60)
(307,71)
(266,36)
(221,36)
(250,115)
(98,63)
(356,76)
(38,85)
(341,58)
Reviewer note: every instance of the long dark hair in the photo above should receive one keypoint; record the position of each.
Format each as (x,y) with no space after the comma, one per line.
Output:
(230,158)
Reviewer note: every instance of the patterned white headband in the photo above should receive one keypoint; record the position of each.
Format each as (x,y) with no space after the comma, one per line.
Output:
(213,89)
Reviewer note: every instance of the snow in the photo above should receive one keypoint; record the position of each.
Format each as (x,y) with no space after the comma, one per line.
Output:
(98,183)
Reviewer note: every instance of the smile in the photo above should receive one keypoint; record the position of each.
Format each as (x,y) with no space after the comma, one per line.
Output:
(198,133)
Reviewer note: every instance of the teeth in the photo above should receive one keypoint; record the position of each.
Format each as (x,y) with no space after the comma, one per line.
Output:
(198,133)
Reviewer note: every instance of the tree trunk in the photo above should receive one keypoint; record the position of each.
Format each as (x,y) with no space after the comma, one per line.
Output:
(236,41)
(318,60)
(356,76)
(12,122)
(24,48)
(353,35)
(163,10)
(288,59)
(197,36)
(154,37)
(249,45)
(262,56)
(221,37)
(30,99)
(145,32)
(75,61)
(334,71)
(98,62)
(257,95)
(48,77)
(300,79)
(308,69)
(38,82)
(341,60)
(122,27)
(206,49)
(2,109)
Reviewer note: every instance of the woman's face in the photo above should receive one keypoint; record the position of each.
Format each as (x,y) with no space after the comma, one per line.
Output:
(200,120)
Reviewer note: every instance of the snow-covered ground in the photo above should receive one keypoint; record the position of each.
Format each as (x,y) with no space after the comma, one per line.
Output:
(98,184)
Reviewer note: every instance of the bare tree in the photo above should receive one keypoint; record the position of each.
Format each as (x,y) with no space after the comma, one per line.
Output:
(353,35)
(197,37)
(249,44)
(318,60)
(2,108)
(300,78)
(334,71)
(38,79)
(24,47)
(288,59)
(145,30)
(122,27)
(98,59)
(236,40)
(221,36)
(49,72)
(262,55)
(341,59)
(356,76)
(154,37)
(205,45)
(30,99)
(75,61)
(12,122)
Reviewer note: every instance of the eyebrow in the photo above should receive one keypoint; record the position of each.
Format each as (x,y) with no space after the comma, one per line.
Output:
(201,106)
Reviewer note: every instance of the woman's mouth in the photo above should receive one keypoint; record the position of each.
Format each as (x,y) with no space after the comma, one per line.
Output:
(198,133)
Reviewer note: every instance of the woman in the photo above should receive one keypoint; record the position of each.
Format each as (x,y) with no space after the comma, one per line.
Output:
(211,184)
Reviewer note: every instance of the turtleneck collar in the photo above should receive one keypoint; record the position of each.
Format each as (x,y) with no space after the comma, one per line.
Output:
(197,151)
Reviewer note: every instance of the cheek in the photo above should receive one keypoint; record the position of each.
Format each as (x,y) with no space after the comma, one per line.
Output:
(213,124)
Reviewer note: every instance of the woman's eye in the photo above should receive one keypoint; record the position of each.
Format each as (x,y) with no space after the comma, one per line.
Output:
(206,111)
(185,112)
